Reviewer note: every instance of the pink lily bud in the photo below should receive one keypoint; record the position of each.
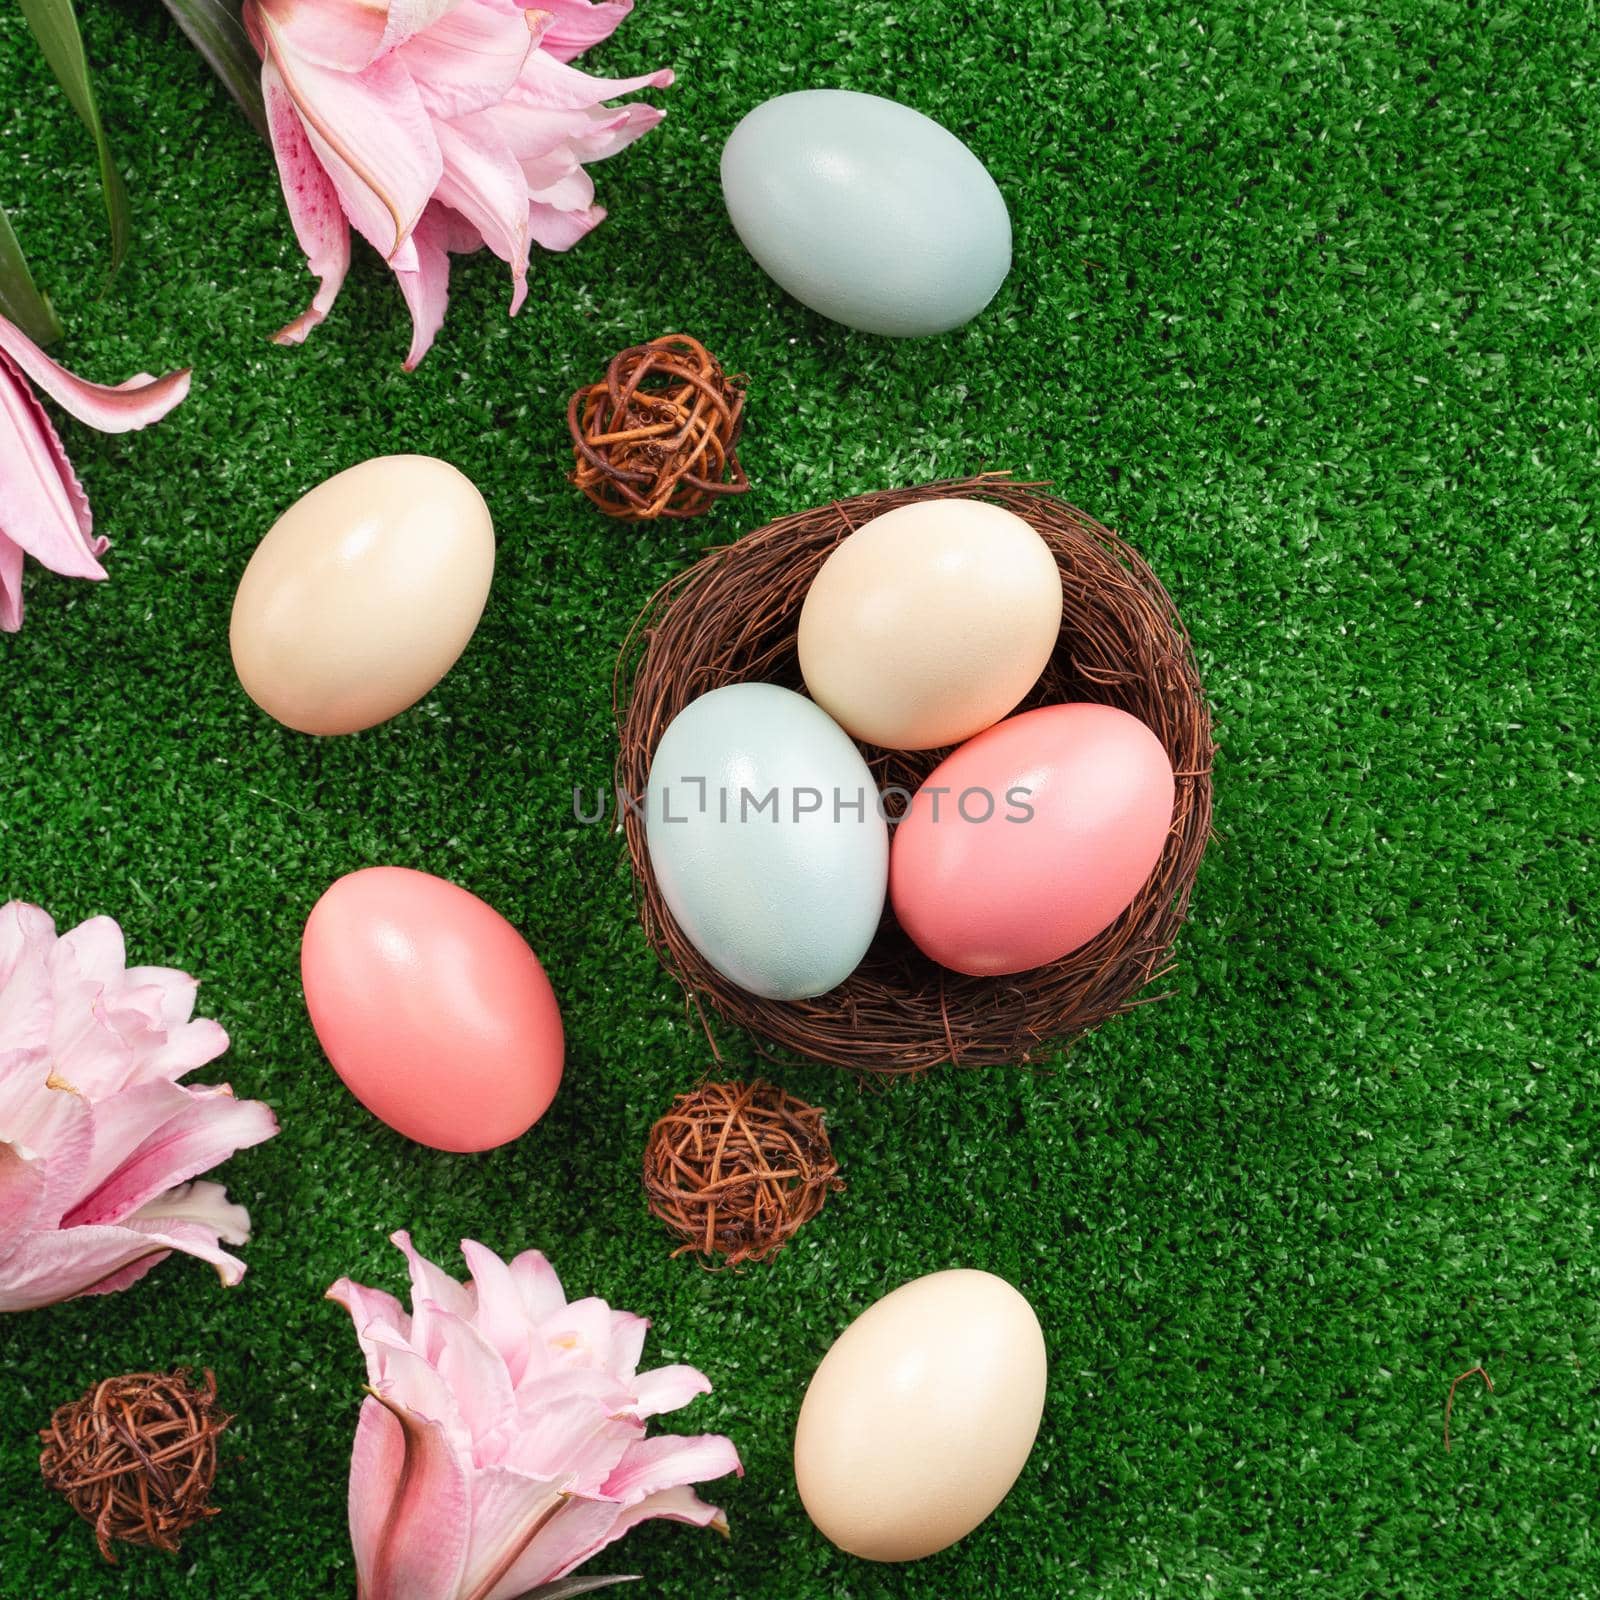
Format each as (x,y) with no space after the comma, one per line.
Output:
(44,512)
(504,1441)
(437,127)
(98,1140)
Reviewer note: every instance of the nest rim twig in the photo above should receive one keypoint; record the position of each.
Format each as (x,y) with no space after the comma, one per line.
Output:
(732,617)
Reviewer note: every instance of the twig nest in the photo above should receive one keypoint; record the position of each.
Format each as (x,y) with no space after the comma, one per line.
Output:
(735,1169)
(137,1456)
(658,436)
(734,617)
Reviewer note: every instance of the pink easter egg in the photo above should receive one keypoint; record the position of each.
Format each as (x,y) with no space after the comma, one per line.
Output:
(432,1008)
(1031,838)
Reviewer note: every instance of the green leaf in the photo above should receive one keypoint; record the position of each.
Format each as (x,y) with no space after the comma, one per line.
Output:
(566,1588)
(214,29)
(55,26)
(21,300)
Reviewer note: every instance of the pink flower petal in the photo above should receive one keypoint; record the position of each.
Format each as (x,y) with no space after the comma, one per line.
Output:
(668,1461)
(119,1125)
(130,1274)
(558,181)
(590,134)
(426,285)
(177,990)
(577,24)
(10,585)
(666,1389)
(502,1320)
(135,1010)
(410,17)
(572,1424)
(429,1282)
(197,1239)
(343,34)
(405,1380)
(314,211)
(192,1045)
(205,1205)
(154,1136)
(71,488)
(200,1214)
(346,35)
(371,134)
(538,1284)
(483,182)
(370,1309)
(418,133)
(472,1370)
(508,1510)
(134,404)
(27,936)
(58,1265)
(544,81)
(38,512)
(627,1343)
(580,1331)
(50,1125)
(583,1528)
(469,59)
(409,1507)
(21,1195)
(87,1050)
(560,230)
(96,950)
(451,232)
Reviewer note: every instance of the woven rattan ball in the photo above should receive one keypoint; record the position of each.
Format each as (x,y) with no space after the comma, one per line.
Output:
(658,435)
(735,1169)
(732,618)
(136,1456)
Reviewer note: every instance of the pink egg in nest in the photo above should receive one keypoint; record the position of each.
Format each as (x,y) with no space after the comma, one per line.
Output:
(1030,839)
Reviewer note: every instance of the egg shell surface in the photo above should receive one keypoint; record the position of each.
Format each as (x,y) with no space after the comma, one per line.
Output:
(782,898)
(363,594)
(867,211)
(929,623)
(983,888)
(921,1416)
(432,1008)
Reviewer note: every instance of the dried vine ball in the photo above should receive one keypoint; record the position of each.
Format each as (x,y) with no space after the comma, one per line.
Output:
(732,618)
(136,1456)
(735,1169)
(658,435)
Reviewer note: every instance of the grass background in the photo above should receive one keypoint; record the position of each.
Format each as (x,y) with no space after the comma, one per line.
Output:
(1304,304)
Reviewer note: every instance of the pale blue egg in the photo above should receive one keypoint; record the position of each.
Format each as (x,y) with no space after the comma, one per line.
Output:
(867,211)
(767,839)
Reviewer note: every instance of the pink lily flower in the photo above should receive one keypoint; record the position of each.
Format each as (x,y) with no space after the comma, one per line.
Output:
(43,510)
(504,1440)
(98,1140)
(438,127)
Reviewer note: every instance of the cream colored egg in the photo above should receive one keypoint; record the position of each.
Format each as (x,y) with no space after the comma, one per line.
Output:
(928,624)
(921,1416)
(363,594)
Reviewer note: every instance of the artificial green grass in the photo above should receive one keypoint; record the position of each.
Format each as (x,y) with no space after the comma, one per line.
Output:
(1303,304)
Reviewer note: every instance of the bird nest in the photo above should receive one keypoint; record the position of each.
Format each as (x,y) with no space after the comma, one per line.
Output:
(732,618)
